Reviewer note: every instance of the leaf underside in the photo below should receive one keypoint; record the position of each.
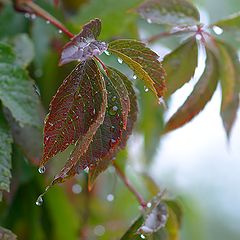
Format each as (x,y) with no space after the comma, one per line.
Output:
(76,110)
(143,61)
(200,96)
(84,45)
(172,12)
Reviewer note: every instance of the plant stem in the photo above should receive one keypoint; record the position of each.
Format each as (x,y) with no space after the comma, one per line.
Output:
(129,185)
(102,64)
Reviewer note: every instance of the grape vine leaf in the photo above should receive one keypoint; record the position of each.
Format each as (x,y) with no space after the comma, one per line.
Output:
(5,155)
(102,164)
(200,96)
(180,65)
(76,111)
(105,140)
(172,12)
(84,45)
(230,85)
(143,61)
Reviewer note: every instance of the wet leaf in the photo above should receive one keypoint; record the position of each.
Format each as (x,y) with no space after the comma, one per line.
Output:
(104,142)
(76,111)
(5,156)
(200,96)
(173,12)
(143,61)
(6,234)
(180,65)
(84,45)
(7,54)
(230,85)
(102,165)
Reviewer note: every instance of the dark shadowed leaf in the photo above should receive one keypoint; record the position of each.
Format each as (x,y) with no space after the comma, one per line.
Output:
(84,45)
(200,96)
(102,165)
(180,65)
(143,61)
(76,111)
(230,84)
(173,12)
(104,142)
(6,234)
(5,155)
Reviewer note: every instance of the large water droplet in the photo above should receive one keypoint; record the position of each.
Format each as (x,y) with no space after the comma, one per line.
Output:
(120,60)
(149,204)
(217,30)
(47,22)
(110,197)
(41,169)
(99,230)
(33,16)
(142,236)
(60,31)
(76,188)
(113,110)
(107,53)
(39,201)
(134,77)
(27,15)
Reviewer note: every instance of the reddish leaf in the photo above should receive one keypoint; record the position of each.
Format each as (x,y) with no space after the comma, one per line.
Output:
(102,165)
(200,96)
(143,61)
(104,141)
(84,45)
(76,111)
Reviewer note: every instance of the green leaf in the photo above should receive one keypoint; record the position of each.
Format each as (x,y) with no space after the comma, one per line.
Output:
(172,12)
(5,155)
(143,61)
(7,55)
(180,65)
(230,84)
(76,112)
(6,234)
(200,96)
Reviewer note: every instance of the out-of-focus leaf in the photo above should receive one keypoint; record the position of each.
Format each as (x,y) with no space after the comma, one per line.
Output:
(76,111)
(6,234)
(104,142)
(200,96)
(173,12)
(17,93)
(24,49)
(7,55)
(143,61)
(112,13)
(180,65)
(84,45)
(5,155)
(230,84)
(100,166)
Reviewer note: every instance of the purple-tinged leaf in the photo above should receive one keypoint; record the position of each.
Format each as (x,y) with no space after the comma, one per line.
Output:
(76,111)
(84,45)
(143,61)
(200,96)
(172,12)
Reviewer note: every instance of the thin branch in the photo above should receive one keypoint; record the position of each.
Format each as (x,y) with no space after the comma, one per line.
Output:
(129,185)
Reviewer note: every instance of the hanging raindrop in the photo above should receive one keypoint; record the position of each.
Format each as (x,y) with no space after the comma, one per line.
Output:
(146,89)
(142,236)
(39,201)
(41,169)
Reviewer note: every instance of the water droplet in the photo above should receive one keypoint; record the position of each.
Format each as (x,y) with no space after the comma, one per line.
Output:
(217,30)
(161,101)
(76,188)
(39,201)
(60,31)
(110,197)
(149,204)
(198,36)
(33,16)
(99,230)
(113,140)
(146,89)
(27,15)
(112,128)
(149,20)
(94,111)
(86,170)
(107,53)
(113,110)
(41,169)
(134,77)
(120,60)
(142,236)
(47,22)
(114,98)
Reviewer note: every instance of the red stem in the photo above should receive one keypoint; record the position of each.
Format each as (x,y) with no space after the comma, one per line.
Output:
(129,185)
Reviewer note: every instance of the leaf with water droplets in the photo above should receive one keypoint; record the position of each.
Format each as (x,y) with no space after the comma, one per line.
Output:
(84,45)
(5,155)
(105,140)
(76,111)
(172,12)
(180,65)
(200,96)
(230,84)
(6,234)
(143,61)
(102,165)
